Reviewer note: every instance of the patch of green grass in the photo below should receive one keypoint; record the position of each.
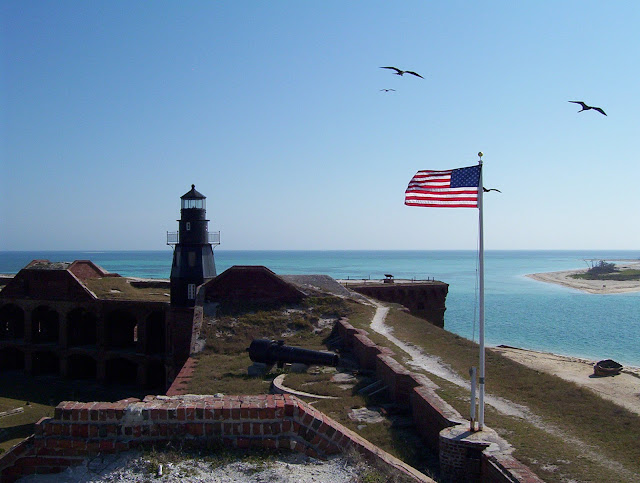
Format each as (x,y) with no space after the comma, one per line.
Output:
(621,275)
(213,452)
(222,366)
(233,329)
(119,288)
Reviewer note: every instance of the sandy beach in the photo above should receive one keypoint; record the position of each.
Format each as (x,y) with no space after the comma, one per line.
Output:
(623,389)
(591,286)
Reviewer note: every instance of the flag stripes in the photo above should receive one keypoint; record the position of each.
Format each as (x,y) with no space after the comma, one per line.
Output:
(452,188)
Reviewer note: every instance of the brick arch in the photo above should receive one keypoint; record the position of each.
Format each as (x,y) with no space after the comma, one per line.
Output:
(45,362)
(157,376)
(11,322)
(11,359)
(155,333)
(45,322)
(121,329)
(82,327)
(121,370)
(81,366)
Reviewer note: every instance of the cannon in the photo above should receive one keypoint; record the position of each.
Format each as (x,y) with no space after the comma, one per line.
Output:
(275,352)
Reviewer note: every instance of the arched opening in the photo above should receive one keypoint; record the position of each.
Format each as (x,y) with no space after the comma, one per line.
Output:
(45,362)
(11,322)
(121,371)
(155,339)
(156,376)
(44,325)
(121,330)
(80,366)
(11,359)
(81,327)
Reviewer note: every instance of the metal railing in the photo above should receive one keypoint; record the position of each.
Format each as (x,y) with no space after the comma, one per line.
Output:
(173,237)
(214,237)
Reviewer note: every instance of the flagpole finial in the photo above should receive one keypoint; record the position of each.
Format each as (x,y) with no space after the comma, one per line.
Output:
(480,154)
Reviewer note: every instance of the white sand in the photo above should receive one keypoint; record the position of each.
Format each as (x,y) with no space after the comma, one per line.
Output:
(623,389)
(591,286)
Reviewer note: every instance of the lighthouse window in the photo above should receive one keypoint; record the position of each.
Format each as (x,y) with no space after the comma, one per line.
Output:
(188,226)
(191,291)
(192,259)
(198,204)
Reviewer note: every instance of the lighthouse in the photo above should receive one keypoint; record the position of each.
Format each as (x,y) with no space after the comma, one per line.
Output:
(193,244)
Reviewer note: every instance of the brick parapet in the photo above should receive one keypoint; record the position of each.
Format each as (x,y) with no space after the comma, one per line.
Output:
(279,421)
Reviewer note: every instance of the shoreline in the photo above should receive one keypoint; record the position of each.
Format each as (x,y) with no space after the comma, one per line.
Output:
(622,389)
(564,279)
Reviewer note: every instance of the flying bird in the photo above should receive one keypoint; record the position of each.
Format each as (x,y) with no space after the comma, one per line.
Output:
(387,90)
(586,108)
(490,189)
(403,72)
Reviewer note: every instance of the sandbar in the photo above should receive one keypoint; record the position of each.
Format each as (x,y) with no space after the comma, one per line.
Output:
(622,389)
(591,286)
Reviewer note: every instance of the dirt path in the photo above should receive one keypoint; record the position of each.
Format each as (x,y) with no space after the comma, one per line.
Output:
(436,366)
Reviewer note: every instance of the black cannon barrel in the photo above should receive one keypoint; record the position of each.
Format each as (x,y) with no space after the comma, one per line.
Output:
(275,352)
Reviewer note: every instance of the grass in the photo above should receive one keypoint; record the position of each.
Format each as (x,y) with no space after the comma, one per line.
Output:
(119,288)
(222,365)
(620,275)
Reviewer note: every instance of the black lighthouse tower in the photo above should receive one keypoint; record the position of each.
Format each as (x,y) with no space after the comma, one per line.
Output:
(193,249)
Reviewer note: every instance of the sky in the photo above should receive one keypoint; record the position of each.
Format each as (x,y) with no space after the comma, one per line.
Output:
(110,110)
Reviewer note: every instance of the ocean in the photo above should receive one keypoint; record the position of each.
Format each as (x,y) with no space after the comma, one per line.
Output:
(519,311)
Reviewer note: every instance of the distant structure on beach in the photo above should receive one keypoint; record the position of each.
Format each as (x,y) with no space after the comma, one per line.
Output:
(193,261)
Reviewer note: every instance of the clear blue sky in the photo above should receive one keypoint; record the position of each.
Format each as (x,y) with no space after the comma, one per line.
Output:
(111,110)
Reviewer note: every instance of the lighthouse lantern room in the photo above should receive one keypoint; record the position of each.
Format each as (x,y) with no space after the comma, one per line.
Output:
(193,262)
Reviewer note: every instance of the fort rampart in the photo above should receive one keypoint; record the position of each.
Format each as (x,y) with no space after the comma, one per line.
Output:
(78,430)
(424,298)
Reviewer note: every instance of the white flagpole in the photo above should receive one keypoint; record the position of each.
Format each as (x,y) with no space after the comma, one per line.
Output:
(481,299)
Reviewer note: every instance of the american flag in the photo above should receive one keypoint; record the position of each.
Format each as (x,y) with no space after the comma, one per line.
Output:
(452,188)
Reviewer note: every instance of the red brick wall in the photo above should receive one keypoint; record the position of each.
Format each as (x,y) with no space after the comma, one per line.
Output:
(254,284)
(85,269)
(268,421)
(45,285)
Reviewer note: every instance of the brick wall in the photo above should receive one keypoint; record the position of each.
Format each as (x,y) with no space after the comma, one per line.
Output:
(85,269)
(80,429)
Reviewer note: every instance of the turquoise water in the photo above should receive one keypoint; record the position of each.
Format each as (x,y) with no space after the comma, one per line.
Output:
(518,311)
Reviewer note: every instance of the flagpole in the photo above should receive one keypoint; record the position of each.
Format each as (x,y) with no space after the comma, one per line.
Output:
(481,299)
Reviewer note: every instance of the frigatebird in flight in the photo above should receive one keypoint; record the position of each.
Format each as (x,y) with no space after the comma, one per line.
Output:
(403,72)
(486,190)
(586,108)
(387,90)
